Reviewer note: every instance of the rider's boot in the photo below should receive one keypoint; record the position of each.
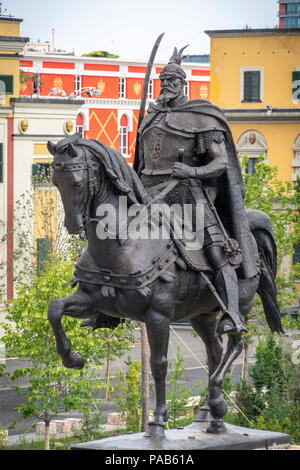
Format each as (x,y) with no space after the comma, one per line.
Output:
(226,282)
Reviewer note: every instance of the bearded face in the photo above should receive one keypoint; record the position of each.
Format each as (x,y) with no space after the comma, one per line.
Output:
(171,87)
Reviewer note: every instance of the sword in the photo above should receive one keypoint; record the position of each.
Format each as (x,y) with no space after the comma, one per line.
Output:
(231,245)
(143,99)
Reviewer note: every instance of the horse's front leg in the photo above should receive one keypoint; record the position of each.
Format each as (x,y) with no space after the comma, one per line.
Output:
(158,335)
(75,305)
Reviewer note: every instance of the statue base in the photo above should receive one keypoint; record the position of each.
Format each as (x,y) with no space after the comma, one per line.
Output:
(192,437)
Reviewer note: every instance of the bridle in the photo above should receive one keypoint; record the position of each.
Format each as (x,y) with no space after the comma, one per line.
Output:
(93,185)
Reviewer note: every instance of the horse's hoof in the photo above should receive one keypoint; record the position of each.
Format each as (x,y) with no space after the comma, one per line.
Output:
(155,431)
(73,361)
(218,407)
(216,427)
(204,415)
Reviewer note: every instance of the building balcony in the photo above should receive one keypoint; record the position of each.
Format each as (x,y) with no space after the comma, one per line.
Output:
(288,15)
(287,1)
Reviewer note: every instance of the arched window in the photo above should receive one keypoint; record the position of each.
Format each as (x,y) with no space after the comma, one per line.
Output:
(253,144)
(124,135)
(79,125)
(296,161)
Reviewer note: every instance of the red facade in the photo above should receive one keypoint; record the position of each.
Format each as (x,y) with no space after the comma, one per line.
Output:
(112,91)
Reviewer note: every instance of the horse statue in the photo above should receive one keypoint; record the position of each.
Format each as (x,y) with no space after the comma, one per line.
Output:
(146,279)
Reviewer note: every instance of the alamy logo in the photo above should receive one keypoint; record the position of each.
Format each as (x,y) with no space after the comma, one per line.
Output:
(296,91)
(156,222)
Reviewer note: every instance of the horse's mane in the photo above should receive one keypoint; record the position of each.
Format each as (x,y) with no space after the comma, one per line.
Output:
(121,175)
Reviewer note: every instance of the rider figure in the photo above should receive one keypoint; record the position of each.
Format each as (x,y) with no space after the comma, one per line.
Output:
(174,123)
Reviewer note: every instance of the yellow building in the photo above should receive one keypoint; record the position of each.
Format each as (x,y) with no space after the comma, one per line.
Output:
(11,45)
(255,79)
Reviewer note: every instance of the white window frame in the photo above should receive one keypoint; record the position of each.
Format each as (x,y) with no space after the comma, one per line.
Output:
(262,81)
(77,85)
(38,84)
(253,152)
(150,89)
(186,89)
(122,88)
(80,130)
(296,159)
(124,138)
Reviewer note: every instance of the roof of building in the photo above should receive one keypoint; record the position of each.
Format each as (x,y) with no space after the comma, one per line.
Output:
(10,18)
(222,33)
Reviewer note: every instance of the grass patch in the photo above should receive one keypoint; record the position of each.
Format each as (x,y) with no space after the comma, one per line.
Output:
(62,443)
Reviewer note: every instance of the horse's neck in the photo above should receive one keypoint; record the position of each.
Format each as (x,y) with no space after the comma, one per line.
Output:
(108,201)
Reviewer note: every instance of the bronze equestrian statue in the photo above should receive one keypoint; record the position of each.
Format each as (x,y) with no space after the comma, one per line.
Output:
(186,156)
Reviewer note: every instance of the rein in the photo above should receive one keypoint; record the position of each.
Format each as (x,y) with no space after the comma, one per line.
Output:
(93,188)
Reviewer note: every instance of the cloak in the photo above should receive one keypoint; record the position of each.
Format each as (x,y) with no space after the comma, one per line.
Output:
(230,185)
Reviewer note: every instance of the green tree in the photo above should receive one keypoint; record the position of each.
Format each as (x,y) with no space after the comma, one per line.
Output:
(272,400)
(281,201)
(101,54)
(27,332)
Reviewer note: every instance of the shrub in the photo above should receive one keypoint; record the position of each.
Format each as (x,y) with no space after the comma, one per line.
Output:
(128,395)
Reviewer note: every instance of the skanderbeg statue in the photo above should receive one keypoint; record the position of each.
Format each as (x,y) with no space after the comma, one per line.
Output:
(190,140)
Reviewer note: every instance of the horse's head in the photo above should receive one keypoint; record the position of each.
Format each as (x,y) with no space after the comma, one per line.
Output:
(73,168)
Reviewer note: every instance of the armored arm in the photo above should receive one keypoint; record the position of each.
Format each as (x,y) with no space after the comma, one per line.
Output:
(213,143)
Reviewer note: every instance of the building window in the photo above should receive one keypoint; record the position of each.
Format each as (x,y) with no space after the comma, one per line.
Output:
(124,135)
(122,88)
(296,160)
(253,145)
(77,85)
(44,248)
(252,84)
(42,174)
(186,89)
(1,163)
(250,167)
(293,9)
(7,85)
(79,125)
(292,22)
(150,90)
(36,84)
(296,255)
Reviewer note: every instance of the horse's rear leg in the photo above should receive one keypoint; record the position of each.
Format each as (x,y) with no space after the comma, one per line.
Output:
(75,305)
(205,326)
(158,335)
(216,401)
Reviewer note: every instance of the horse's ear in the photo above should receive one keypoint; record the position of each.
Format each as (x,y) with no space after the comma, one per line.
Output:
(51,147)
(72,150)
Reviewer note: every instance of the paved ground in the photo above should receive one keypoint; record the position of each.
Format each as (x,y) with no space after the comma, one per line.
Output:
(195,373)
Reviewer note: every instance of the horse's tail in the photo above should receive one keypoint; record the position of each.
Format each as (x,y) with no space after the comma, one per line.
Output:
(261,228)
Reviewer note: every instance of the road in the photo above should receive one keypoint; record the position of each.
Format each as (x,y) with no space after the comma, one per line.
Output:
(191,348)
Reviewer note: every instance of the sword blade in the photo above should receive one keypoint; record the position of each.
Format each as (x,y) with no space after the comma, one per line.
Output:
(144,95)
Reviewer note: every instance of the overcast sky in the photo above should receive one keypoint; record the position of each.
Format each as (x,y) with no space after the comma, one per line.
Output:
(129,27)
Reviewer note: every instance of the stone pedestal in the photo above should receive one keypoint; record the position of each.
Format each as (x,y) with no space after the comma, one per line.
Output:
(192,437)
